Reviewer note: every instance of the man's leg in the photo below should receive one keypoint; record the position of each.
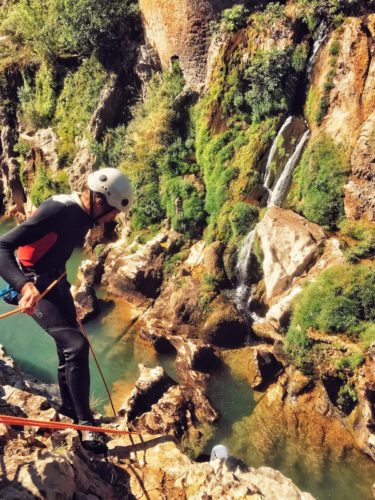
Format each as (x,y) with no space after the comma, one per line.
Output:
(74,373)
(56,314)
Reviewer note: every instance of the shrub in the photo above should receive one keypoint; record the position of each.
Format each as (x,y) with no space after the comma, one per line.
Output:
(350,362)
(342,300)
(364,234)
(109,152)
(183,205)
(38,98)
(243,218)
(76,104)
(273,12)
(234,18)
(54,28)
(147,207)
(317,190)
(271,79)
(154,123)
(46,184)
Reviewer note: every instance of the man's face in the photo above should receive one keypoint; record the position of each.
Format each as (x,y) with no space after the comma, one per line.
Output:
(107,217)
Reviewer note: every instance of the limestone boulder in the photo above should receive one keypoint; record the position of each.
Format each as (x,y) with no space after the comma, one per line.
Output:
(10,374)
(279,311)
(44,141)
(82,165)
(137,269)
(186,298)
(263,367)
(225,325)
(290,245)
(149,388)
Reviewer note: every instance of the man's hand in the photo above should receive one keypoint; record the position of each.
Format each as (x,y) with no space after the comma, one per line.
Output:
(29,299)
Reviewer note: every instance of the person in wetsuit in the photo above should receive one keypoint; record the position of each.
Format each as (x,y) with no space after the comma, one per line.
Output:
(34,254)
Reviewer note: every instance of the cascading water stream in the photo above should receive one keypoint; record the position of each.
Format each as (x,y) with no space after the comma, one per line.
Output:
(276,193)
(272,153)
(322,33)
(281,187)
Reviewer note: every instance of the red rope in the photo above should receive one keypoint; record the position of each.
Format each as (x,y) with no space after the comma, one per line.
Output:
(10,420)
(97,364)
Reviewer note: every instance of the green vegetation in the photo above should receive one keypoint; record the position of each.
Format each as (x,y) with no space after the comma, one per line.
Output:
(273,12)
(350,362)
(317,190)
(75,105)
(38,97)
(149,138)
(332,11)
(271,79)
(328,85)
(47,184)
(347,398)
(56,28)
(184,206)
(342,300)
(234,18)
(364,235)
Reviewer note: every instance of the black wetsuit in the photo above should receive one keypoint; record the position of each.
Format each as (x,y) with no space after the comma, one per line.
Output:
(44,243)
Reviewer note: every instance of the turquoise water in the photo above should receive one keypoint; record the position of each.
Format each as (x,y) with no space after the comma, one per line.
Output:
(119,351)
(113,343)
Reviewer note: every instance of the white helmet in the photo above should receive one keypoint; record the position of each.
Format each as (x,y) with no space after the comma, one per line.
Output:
(115,186)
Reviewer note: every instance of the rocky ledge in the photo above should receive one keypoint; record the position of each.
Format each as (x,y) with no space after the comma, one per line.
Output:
(43,463)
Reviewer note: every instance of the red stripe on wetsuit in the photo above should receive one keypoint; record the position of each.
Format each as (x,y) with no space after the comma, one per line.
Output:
(30,254)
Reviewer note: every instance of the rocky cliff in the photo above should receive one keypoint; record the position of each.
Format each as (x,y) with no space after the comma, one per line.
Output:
(42,463)
(248,130)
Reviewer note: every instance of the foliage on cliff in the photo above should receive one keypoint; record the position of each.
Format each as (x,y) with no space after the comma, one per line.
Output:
(317,191)
(52,29)
(341,300)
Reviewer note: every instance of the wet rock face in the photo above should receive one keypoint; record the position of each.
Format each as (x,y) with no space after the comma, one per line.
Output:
(225,325)
(289,244)
(54,465)
(263,368)
(149,388)
(359,192)
(159,405)
(190,304)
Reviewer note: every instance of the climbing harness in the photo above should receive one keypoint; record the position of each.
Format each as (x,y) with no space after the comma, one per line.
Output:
(48,289)
(28,422)
(9,295)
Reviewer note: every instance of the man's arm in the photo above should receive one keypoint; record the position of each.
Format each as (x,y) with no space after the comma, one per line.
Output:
(43,222)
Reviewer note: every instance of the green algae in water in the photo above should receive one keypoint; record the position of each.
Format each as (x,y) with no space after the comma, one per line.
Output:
(324,474)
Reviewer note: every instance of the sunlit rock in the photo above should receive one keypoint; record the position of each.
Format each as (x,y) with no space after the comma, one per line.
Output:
(289,244)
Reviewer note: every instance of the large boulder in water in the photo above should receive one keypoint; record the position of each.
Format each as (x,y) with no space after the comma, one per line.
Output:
(225,325)
(289,244)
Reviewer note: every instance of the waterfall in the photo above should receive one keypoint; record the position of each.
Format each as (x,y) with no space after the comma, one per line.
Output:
(243,291)
(322,33)
(279,192)
(272,152)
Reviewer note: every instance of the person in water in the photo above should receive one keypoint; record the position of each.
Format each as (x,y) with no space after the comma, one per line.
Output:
(34,254)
